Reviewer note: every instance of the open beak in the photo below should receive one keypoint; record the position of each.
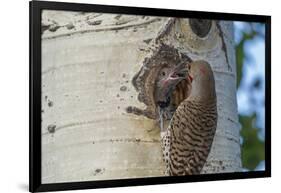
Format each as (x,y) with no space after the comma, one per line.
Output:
(167,84)
(179,73)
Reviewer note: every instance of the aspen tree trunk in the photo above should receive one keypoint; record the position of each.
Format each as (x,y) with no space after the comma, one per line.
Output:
(88,62)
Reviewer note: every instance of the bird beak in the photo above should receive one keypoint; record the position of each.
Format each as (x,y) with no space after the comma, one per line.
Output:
(178,74)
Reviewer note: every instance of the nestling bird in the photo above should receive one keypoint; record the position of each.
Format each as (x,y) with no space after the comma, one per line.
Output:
(187,141)
(168,79)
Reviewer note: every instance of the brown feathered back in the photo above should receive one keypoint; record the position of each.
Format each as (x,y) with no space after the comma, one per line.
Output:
(187,141)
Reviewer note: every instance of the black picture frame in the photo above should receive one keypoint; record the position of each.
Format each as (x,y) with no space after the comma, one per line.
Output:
(35,8)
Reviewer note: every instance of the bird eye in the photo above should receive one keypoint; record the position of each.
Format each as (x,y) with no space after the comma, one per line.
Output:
(163,73)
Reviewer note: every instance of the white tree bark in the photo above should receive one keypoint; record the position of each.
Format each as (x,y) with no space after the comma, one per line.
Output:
(88,62)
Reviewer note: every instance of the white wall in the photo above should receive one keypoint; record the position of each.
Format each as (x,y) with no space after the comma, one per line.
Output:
(14,95)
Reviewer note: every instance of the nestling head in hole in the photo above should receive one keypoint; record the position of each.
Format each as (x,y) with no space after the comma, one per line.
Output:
(168,79)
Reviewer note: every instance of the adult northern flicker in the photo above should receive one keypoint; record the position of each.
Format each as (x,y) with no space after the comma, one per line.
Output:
(188,139)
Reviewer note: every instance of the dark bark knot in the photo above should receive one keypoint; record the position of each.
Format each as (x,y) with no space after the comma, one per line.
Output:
(201,27)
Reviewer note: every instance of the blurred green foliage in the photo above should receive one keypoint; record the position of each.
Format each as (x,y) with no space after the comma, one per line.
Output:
(252,147)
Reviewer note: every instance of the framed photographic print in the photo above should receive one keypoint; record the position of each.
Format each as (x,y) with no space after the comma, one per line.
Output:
(125,96)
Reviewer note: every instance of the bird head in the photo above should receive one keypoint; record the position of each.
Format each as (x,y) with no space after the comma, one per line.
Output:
(203,84)
(168,79)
